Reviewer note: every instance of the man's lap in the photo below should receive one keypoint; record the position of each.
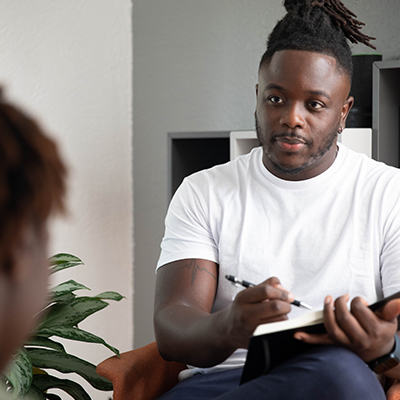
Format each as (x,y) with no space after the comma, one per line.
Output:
(326,372)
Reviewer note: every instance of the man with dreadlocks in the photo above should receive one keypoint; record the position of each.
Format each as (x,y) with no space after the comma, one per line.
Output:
(302,208)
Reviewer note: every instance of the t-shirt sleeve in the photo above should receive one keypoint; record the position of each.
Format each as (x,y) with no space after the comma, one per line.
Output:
(187,226)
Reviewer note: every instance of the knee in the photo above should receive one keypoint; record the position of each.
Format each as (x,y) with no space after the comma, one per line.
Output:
(342,372)
(339,363)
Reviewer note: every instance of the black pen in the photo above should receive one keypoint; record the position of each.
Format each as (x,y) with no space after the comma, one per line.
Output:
(246,284)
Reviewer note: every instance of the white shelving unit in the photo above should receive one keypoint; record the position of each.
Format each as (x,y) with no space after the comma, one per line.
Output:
(358,139)
(385,112)
(242,142)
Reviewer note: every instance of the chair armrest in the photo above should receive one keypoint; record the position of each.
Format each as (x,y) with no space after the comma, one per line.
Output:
(140,374)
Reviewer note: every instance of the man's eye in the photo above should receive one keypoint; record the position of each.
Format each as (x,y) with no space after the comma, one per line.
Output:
(316,105)
(275,99)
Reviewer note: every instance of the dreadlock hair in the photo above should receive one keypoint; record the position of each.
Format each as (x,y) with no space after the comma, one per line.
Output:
(32,178)
(321,26)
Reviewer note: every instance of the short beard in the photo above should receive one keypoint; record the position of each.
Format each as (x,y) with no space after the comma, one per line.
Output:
(293,171)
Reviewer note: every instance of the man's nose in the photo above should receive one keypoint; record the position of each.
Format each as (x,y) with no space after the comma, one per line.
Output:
(293,116)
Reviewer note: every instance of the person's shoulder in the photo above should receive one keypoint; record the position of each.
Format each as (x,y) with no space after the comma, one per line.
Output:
(368,166)
(227,171)
(374,179)
(220,181)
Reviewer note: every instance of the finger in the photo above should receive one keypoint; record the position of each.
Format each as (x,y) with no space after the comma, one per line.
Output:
(264,291)
(274,281)
(390,311)
(365,317)
(332,327)
(313,338)
(276,310)
(329,315)
(268,311)
(277,318)
(352,324)
(370,321)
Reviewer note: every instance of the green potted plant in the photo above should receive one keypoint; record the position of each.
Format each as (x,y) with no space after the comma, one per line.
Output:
(27,375)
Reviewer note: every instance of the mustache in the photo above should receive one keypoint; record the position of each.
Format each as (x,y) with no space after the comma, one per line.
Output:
(277,136)
(291,135)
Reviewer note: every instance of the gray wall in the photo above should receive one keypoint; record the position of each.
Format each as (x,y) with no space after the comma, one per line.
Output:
(195,68)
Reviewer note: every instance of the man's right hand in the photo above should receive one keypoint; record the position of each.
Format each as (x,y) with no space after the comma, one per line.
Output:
(264,303)
(185,329)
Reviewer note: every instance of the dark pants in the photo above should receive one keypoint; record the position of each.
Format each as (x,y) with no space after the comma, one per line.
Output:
(326,372)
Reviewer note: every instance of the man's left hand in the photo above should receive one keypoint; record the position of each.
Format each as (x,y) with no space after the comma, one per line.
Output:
(368,334)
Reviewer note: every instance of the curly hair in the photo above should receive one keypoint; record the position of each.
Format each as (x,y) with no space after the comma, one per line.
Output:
(32,177)
(321,26)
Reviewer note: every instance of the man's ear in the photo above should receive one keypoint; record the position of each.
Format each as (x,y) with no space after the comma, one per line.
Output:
(345,111)
(257,90)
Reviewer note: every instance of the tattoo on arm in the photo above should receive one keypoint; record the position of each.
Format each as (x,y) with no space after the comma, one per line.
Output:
(196,269)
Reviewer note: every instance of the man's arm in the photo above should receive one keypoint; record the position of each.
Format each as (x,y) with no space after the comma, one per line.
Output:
(185,329)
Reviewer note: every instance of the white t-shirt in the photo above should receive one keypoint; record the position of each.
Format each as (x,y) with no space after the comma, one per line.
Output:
(333,234)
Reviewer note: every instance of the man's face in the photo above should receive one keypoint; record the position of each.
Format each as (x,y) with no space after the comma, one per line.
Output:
(302,101)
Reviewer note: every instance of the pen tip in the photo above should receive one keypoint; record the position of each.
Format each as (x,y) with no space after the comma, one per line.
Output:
(306,306)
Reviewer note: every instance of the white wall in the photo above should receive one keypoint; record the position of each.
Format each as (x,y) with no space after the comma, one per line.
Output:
(70,64)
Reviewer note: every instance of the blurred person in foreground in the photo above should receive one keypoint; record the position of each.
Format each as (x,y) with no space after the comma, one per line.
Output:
(32,187)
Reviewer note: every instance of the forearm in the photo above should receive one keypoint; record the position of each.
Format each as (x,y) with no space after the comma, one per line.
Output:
(192,336)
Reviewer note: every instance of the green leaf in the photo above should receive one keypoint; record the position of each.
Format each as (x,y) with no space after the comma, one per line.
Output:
(67,287)
(34,394)
(63,314)
(19,372)
(77,334)
(52,396)
(110,296)
(45,342)
(67,363)
(62,258)
(64,298)
(46,382)
(60,267)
